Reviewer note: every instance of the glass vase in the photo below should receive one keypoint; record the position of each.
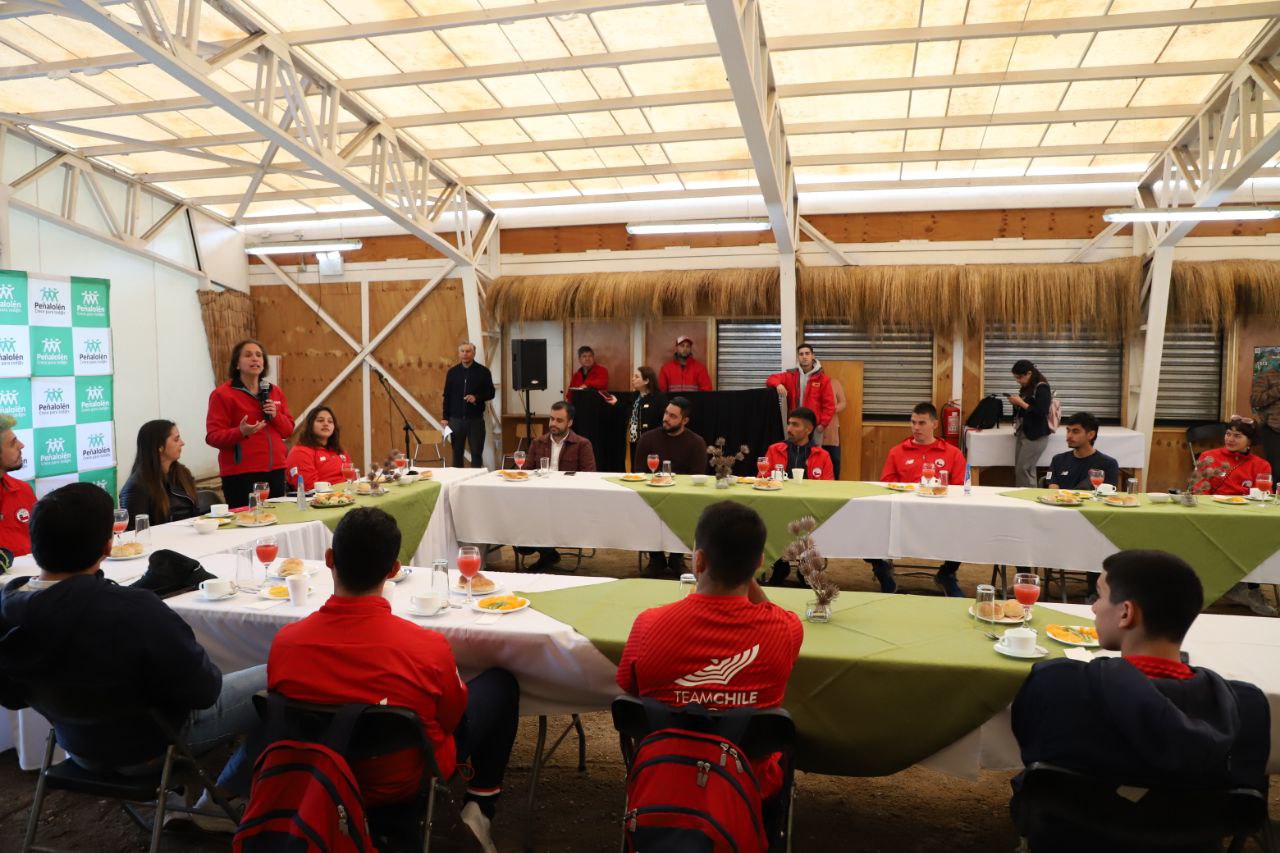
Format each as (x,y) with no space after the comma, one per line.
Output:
(818,611)
(722,482)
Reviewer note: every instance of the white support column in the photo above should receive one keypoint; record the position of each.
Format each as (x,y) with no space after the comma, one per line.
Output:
(787,307)
(471,302)
(957,365)
(637,342)
(1153,345)
(366,403)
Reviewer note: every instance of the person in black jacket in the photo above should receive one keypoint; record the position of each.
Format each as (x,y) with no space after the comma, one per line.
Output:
(467,387)
(72,627)
(1145,718)
(1030,421)
(160,486)
(647,410)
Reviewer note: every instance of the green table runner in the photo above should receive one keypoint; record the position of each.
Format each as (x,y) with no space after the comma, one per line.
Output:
(411,506)
(1222,542)
(680,505)
(888,682)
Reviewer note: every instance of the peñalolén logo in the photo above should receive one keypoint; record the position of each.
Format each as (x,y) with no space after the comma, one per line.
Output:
(9,302)
(9,351)
(53,403)
(55,452)
(90,306)
(50,301)
(93,352)
(97,447)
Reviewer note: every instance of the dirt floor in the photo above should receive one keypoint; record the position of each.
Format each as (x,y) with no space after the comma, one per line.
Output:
(916,810)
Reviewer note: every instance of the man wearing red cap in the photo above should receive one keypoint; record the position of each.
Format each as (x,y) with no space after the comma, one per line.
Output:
(683,373)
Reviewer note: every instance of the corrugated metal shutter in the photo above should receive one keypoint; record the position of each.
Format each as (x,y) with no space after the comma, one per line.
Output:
(1084,369)
(746,353)
(1190,374)
(897,365)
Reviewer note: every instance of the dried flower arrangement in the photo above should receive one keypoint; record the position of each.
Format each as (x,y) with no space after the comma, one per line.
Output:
(721,464)
(804,555)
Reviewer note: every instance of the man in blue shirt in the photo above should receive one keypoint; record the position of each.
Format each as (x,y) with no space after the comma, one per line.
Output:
(1070,470)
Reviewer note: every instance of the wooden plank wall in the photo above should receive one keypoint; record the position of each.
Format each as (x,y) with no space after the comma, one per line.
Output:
(417,353)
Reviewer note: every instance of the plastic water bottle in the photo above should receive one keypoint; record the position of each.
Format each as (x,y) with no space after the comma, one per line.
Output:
(968,478)
(302,490)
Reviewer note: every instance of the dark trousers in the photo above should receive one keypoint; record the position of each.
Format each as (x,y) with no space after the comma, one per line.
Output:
(487,731)
(467,431)
(834,451)
(236,487)
(946,574)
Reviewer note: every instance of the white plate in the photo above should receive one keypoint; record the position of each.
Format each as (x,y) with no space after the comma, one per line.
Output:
(423,614)
(453,590)
(1003,620)
(1228,500)
(312,503)
(1121,506)
(633,478)
(405,571)
(262,593)
(900,487)
(309,571)
(927,494)
(256,523)
(475,605)
(1040,652)
(222,597)
(660,485)
(1049,501)
(131,556)
(760,488)
(1090,644)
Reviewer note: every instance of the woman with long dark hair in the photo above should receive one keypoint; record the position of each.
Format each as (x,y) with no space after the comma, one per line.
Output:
(248,422)
(646,411)
(159,486)
(318,455)
(1030,421)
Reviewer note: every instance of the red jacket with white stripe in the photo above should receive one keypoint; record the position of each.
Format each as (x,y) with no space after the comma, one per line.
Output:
(237,454)
(821,396)
(906,460)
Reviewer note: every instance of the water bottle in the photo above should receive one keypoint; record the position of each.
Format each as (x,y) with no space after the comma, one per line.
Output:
(968,478)
(302,490)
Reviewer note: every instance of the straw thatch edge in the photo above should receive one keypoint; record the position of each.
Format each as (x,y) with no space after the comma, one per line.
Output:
(1218,292)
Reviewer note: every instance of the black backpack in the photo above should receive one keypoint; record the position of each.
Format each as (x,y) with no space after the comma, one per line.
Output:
(987,414)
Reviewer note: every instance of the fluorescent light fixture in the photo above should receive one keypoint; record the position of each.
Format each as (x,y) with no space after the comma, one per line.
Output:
(704,226)
(303,247)
(1189,214)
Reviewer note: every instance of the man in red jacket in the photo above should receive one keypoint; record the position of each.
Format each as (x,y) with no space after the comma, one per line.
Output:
(903,466)
(16,497)
(807,385)
(683,373)
(589,374)
(798,451)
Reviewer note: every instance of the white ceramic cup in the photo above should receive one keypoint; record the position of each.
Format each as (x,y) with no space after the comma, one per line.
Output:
(297,585)
(699,479)
(1257,494)
(797,473)
(1020,641)
(322,486)
(216,587)
(205,525)
(429,603)
(1106,489)
(219,509)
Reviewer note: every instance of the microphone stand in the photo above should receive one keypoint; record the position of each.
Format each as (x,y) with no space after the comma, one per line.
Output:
(408,427)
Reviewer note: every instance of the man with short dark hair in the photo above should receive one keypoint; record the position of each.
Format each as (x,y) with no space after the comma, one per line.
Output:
(1146,717)
(798,451)
(673,442)
(807,385)
(589,374)
(1070,469)
(683,374)
(904,465)
(16,497)
(725,645)
(355,650)
(74,627)
(567,451)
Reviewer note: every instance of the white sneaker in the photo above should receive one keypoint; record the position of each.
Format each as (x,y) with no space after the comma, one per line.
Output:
(479,826)
(1255,602)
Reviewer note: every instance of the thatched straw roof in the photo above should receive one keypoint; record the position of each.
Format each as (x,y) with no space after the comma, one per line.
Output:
(1219,291)
(725,293)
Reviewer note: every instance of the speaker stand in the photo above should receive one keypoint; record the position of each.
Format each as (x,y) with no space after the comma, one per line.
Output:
(528,421)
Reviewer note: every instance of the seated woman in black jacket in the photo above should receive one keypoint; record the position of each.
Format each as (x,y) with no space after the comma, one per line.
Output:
(159,485)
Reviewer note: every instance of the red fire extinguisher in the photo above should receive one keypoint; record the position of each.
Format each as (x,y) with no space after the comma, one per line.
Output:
(951,422)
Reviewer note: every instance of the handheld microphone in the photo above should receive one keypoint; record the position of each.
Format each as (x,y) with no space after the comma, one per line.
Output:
(264,394)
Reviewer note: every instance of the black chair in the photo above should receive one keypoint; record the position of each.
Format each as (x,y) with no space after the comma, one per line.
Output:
(1212,435)
(380,730)
(205,499)
(1060,809)
(81,704)
(769,731)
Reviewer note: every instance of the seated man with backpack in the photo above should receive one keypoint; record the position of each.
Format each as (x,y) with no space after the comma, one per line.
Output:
(725,645)
(1145,718)
(355,650)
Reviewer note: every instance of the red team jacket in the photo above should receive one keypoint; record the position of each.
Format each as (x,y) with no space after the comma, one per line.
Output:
(314,464)
(597,377)
(262,451)
(674,379)
(1244,467)
(821,396)
(904,461)
(818,458)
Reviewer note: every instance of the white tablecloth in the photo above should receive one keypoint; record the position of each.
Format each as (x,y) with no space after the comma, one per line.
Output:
(994,447)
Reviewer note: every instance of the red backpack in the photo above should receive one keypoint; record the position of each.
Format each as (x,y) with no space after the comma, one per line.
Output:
(305,798)
(692,791)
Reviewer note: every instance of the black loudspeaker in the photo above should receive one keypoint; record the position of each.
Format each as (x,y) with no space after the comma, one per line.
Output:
(529,364)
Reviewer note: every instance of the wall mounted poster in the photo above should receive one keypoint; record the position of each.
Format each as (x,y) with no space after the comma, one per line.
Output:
(56,377)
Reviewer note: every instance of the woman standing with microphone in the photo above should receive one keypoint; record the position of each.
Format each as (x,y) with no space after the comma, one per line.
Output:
(248,422)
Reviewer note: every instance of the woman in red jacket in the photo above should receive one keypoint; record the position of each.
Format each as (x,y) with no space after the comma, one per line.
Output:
(318,455)
(248,422)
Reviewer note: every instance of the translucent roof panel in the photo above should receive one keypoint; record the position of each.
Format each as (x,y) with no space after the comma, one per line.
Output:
(578,103)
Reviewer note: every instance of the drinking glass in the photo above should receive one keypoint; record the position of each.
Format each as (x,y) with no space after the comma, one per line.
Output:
(349,474)
(652,461)
(1134,488)
(119,523)
(519,456)
(1026,588)
(544,466)
(355,476)
(468,565)
(266,549)
(399,460)
(244,567)
(263,491)
(762,466)
(666,467)
(1097,476)
(927,473)
(984,600)
(1263,482)
(944,480)
(142,528)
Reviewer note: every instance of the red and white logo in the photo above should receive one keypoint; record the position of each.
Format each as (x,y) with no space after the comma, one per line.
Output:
(721,670)
(24,515)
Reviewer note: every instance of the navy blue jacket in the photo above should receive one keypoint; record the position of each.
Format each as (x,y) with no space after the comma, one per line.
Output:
(87,630)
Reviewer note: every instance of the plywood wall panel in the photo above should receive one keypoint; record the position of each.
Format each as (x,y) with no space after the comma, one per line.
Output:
(660,341)
(611,341)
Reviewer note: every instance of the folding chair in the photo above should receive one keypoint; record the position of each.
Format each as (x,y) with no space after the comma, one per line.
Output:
(1060,809)
(541,755)
(769,731)
(380,730)
(104,704)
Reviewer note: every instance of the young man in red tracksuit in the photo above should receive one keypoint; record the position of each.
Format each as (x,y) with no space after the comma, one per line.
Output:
(800,450)
(684,373)
(903,466)
(807,385)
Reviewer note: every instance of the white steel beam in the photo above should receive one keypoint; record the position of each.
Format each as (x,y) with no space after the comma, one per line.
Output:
(400,185)
(1098,241)
(1160,273)
(827,244)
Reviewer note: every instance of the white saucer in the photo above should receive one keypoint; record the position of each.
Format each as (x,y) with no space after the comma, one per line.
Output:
(1000,647)
(413,611)
(404,572)
(453,590)
(222,597)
